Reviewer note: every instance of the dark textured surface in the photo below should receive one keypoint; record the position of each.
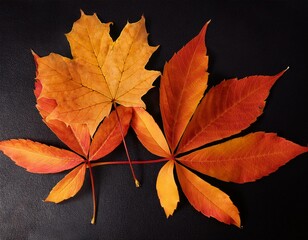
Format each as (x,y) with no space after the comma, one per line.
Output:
(244,38)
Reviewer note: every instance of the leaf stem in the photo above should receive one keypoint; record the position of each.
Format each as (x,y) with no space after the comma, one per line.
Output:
(125,146)
(131,162)
(93,193)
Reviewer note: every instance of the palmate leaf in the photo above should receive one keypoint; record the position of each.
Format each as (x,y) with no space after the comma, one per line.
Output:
(39,158)
(102,72)
(225,110)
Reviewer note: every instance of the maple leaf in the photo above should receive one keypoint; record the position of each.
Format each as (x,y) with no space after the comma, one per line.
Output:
(101,74)
(192,120)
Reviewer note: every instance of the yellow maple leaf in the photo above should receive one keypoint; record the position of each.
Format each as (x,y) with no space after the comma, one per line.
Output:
(101,74)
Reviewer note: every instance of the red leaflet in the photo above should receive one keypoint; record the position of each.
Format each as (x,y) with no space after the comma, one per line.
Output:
(227,109)
(244,159)
(108,135)
(183,83)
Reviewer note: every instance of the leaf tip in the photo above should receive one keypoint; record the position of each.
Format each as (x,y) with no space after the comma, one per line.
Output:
(204,28)
(282,72)
(169,212)
(237,223)
(81,12)
(168,215)
(46,200)
(34,54)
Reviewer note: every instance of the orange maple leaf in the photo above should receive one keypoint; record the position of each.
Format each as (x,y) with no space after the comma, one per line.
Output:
(191,120)
(101,74)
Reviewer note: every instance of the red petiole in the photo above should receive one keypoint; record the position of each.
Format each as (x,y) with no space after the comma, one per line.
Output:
(131,162)
(125,146)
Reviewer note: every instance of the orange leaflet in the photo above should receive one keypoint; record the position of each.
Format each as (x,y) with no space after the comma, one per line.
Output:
(226,109)
(167,190)
(39,158)
(102,72)
(149,133)
(68,186)
(207,199)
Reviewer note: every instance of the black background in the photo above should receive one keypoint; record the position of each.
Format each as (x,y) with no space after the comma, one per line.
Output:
(244,38)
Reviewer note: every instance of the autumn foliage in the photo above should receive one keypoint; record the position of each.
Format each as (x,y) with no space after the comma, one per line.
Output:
(91,100)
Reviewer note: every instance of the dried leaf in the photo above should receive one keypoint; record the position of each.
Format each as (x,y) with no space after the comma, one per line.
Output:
(101,73)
